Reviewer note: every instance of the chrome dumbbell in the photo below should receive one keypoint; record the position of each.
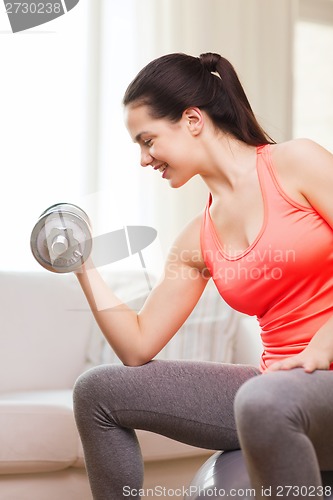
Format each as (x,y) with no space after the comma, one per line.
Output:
(61,240)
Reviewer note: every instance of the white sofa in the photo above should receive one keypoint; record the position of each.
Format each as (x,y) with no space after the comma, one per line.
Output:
(48,337)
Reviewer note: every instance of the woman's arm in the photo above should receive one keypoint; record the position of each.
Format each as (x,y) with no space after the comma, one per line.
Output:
(312,168)
(137,338)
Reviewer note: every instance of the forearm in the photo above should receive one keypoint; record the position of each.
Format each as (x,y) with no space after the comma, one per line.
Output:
(118,323)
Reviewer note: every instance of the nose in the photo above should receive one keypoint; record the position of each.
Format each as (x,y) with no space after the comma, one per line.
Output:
(146,159)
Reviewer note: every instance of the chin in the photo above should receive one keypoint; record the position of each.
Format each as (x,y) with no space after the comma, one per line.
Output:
(177,183)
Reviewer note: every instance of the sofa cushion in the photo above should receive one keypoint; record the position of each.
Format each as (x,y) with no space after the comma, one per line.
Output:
(37,432)
(45,327)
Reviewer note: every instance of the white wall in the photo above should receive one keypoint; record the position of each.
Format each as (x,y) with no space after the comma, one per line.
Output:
(42,125)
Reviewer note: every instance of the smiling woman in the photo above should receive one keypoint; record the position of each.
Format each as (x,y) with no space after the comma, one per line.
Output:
(157,119)
(266,198)
(154,137)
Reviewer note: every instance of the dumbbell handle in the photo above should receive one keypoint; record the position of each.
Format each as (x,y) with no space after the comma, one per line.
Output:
(59,245)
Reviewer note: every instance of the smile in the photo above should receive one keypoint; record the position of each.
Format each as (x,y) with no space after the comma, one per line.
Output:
(162,167)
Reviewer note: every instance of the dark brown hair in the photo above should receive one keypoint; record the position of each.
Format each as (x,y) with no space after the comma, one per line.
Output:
(175,82)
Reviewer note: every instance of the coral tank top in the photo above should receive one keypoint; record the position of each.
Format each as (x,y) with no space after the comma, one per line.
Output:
(285,277)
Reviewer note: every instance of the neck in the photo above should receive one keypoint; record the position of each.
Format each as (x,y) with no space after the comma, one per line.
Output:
(228,162)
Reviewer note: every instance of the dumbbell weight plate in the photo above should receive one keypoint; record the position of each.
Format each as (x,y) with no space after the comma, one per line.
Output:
(61,240)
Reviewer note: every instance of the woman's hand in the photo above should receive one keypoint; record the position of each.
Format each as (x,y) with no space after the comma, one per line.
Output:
(310,359)
(88,264)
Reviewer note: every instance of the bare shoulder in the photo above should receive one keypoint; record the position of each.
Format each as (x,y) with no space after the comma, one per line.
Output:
(299,154)
(300,163)
(186,249)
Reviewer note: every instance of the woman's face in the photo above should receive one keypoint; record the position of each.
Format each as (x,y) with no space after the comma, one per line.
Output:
(165,146)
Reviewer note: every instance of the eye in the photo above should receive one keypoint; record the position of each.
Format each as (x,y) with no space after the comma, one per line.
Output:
(148,143)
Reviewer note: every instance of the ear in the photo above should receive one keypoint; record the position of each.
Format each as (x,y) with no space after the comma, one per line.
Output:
(194,120)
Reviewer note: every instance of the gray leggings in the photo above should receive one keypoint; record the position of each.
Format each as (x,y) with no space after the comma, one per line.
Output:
(283,421)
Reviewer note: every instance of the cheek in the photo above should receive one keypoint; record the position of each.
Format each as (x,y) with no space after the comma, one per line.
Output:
(180,151)
(176,150)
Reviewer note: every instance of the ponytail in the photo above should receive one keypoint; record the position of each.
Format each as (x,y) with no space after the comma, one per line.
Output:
(172,83)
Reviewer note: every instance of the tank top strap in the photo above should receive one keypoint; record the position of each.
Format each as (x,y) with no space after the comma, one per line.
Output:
(261,148)
(265,173)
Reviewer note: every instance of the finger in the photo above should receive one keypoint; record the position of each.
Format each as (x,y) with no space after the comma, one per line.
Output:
(286,364)
(290,363)
(309,368)
(274,367)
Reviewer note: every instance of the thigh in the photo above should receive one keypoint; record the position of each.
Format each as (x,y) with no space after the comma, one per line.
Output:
(188,401)
(303,401)
(313,394)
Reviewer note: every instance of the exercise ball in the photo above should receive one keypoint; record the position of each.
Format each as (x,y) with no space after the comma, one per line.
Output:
(224,475)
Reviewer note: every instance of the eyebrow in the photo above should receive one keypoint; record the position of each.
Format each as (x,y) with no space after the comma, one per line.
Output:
(138,136)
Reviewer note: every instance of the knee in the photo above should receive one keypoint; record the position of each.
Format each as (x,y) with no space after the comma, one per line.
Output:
(85,385)
(85,391)
(248,405)
(104,383)
(261,407)
(91,388)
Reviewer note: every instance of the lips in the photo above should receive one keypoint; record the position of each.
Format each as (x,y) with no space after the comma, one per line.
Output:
(161,168)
